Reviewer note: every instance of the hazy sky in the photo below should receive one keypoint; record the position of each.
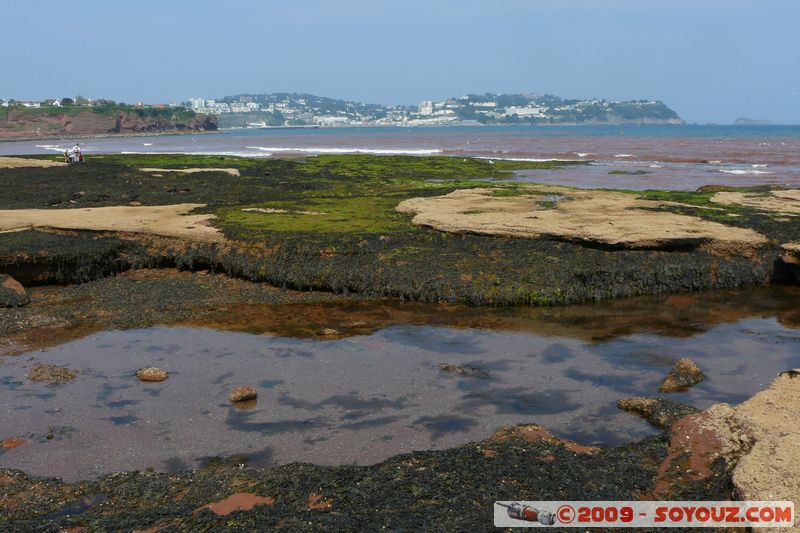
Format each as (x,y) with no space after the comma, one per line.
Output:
(710,60)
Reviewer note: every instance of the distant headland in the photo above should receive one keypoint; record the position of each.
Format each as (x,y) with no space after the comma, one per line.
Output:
(83,117)
(293,109)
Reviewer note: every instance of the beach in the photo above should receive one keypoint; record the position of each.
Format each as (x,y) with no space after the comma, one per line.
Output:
(385,314)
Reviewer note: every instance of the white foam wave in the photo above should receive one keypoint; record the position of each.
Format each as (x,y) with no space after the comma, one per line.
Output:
(582,154)
(761,165)
(715,161)
(147,144)
(229,153)
(333,150)
(54,147)
(740,171)
(528,159)
(656,166)
(623,155)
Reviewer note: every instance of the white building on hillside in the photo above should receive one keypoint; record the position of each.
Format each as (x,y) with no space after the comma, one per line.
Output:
(527,111)
(426,108)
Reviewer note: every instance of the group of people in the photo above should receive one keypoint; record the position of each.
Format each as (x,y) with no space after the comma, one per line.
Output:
(73,155)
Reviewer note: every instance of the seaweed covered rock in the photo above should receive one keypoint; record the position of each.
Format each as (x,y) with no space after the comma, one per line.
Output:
(790,256)
(684,374)
(660,412)
(12,293)
(51,374)
(243,394)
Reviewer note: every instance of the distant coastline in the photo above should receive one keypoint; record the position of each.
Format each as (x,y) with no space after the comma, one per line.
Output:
(294,109)
(20,122)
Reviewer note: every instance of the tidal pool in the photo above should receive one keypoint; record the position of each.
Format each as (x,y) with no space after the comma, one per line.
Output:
(363,398)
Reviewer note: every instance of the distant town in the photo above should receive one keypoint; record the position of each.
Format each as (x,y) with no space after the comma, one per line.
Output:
(306,110)
(291,109)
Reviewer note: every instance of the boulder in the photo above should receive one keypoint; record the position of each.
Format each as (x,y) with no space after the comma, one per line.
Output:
(683,375)
(12,293)
(151,373)
(790,257)
(660,412)
(243,394)
(757,441)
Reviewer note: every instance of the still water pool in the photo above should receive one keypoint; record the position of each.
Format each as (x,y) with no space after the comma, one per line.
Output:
(364,398)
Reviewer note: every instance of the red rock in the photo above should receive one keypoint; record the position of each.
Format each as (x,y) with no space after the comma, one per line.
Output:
(12,293)
(241,501)
(13,442)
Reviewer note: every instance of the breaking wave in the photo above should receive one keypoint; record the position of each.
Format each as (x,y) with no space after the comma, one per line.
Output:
(745,171)
(184,152)
(530,159)
(53,147)
(376,151)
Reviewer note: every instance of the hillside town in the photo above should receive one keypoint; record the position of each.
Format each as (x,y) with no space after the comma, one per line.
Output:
(306,110)
(285,109)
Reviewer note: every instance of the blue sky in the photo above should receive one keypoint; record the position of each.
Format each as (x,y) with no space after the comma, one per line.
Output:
(710,60)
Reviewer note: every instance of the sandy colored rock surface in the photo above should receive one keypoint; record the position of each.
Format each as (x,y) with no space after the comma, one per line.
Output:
(151,373)
(786,202)
(771,471)
(589,216)
(19,162)
(761,437)
(231,171)
(164,220)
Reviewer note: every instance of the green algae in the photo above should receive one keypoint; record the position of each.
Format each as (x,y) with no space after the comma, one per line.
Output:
(330,224)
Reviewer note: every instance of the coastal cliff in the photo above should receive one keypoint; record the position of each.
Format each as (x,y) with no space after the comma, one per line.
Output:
(22,123)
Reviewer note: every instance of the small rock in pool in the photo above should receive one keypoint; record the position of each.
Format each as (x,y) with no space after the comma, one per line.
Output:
(683,375)
(243,394)
(12,442)
(51,374)
(466,371)
(151,373)
(12,293)
(660,412)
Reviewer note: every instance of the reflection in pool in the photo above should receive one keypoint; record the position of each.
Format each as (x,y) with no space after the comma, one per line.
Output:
(353,400)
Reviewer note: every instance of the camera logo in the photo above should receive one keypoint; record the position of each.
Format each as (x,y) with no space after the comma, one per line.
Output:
(527,513)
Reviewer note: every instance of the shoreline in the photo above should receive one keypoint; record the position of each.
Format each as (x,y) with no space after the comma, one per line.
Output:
(408,229)
(111,136)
